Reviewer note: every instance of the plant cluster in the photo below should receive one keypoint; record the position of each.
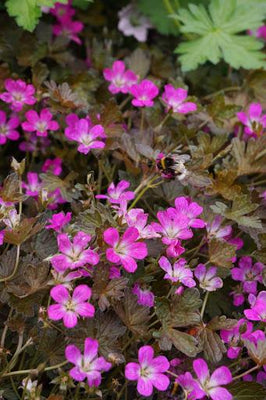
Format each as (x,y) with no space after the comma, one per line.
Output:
(132,202)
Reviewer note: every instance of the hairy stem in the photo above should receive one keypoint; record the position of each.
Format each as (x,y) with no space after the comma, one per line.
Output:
(246,372)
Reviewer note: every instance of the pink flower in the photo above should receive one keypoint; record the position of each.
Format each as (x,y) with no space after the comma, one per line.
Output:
(133,23)
(34,143)
(144,93)
(259,33)
(115,194)
(60,11)
(74,255)
(68,28)
(18,93)
(138,219)
(257,312)
(58,221)
(83,132)
(89,366)
(207,278)
(211,385)
(175,100)
(121,80)
(248,274)
(238,296)
(40,124)
(234,336)
(253,120)
(124,250)
(190,386)
(148,371)
(69,308)
(185,206)
(215,229)
(2,236)
(54,166)
(145,296)
(33,186)
(8,128)
(178,272)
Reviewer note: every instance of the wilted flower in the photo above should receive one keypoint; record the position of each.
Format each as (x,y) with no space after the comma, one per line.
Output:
(83,132)
(69,308)
(148,372)
(58,221)
(8,128)
(89,365)
(133,23)
(207,278)
(234,336)
(253,120)
(144,93)
(74,255)
(214,228)
(175,100)
(126,249)
(121,80)
(18,93)
(40,124)
(257,312)
(145,296)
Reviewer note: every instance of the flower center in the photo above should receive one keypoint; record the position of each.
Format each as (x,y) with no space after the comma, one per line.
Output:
(3,129)
(41,126)
(17,96)
(70,306)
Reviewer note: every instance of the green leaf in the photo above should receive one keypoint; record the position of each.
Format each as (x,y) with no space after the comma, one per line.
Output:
(218,34)
(247,391)
(159,16)
(82,4)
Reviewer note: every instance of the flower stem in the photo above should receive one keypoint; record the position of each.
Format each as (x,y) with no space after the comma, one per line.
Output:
(35,370)
(168,6)
(142,120)
(144,190)
(204,304)
(246,372)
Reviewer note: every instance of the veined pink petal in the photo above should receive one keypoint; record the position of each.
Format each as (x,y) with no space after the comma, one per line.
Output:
(144,386)
(90,349)
(145,355)
(201,369)
(81,293)
(56,312)
(77,374)
(129,263)
(255,111)
(111,236)
(73,354)
(160,381)
(70,319)
(160,364)
(60,294)
(220,393)
(221,376)
(132,371)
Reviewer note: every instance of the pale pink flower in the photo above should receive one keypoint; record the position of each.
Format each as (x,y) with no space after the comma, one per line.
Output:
(207,278)
(178,272)
(136,217)
(175,100)
(8,128)
(18,93)
(148,372)
(69,308)
(40,123)
(74,254)
(89,365)
(117,193)
(257,312)
(126,249)
(215,230)
(253,120)
(82,131)
(121,80)
(144,93)
(133,23)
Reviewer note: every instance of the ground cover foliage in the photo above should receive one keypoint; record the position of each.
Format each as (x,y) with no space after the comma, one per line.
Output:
(132,200)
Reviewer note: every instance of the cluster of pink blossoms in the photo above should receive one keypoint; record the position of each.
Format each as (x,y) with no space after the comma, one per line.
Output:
(66,26)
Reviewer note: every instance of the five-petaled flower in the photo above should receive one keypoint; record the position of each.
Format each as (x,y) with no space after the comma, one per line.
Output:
(117,193)
(248,274)
(253,121)
(126,249)
(17,94)
(121,80)
(40,123)
(69,308)
(178,272)
(207,278)
(148,372)
(175,100)
(8,128)
(89,365)
(144,93)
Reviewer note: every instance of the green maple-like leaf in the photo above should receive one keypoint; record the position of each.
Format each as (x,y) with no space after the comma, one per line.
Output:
(220,34)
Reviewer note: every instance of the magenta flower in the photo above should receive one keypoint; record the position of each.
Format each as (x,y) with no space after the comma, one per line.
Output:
(190,209)
(190,386)
(133,23)
(83,132)
(124,250)
(207,278)
(257,312)
(60,11)
(138,219)
(33,186)
(178,272)
(58,221)
(145,296)
(74,255)
(68,28)
(211,385)
(121,80)
(17,94)
(54,166)
(233,337)
(34,143)
(40,124)
(8,128)
(144,93)
(148,371)
(89,366)
(175,100)
(69,308)
(249,274)
(214,228)
(2,236)
(253,120)
(115,194)
(238,296)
